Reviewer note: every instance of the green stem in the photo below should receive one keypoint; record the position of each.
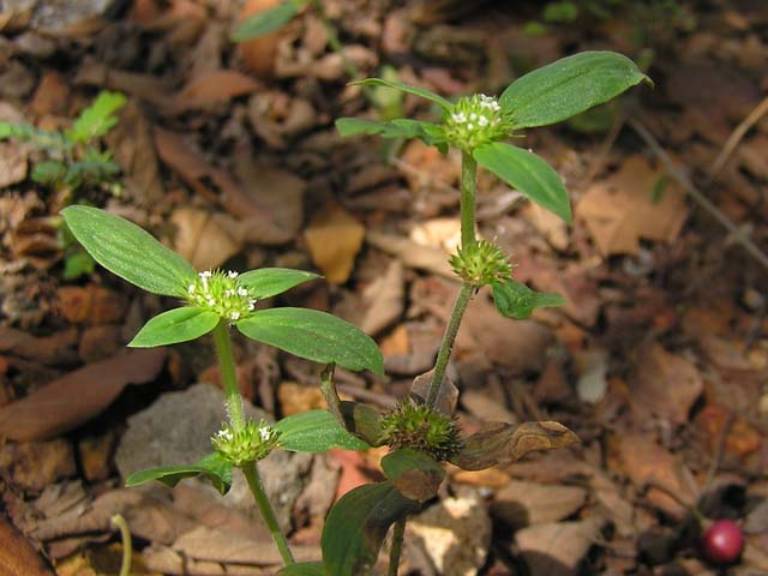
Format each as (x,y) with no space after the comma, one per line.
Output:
(330,393)
(251,472)
(446,346)
(468,189)
(125,536)
(397,547)
(223,344)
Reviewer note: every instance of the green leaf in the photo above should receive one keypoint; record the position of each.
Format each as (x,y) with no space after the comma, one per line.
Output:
(357,525)
(129,252)
(177,325)
(315,431)
(428,132)
(527,173)
(415,90)
(267,282)
(516,300)
(98,119)
(27,133)
(49,172)
(568,86)
(303,569)
(267,21)
(78,264)
(212,467)
(314,335)
(415,474)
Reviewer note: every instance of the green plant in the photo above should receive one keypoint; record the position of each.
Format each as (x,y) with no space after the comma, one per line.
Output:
(73,157)
(214,302)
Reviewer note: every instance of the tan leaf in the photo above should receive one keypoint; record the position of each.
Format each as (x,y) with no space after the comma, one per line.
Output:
(499,443)
(17,556)
(557,548)
(214,87)
(334,238)
(525,503)
(619,211)
(75,398)
(259,54)
(664,384)
(384,299)
(203,238)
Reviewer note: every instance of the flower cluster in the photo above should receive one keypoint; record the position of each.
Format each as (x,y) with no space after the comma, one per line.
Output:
(417,426)
(476,120)
(252,442)
(220,292)
(481,263)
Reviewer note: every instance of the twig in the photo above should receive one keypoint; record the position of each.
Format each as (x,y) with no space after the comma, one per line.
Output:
(736,232)
(736,137)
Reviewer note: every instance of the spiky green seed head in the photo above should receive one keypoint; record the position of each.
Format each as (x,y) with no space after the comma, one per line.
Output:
(474,121)
(481,263)
(417,426)
(220,292)
(251,443)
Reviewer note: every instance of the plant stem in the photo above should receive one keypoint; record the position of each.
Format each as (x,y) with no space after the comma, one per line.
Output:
(223,344)
(446,346)
(125,536)
(468,189)
(330,393)
(397,547)
(251,472)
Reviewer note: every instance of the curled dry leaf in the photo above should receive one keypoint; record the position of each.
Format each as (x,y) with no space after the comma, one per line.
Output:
(499,443)
(447,398)
(78,396)
(17,556)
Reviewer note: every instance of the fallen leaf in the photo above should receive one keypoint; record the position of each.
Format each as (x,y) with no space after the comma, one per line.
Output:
(258,55)
(742,438)
(213,87)
(295,398)
(441,233)
(384,299)
(13,163)
(17,556)
(557,549)
(551,227)
(92,305)
(35,465)
(204,238)
(56,349)
(526,503)
(664,384)
(334,237)
(76,397)
(621,210)
(648,464)
(412,254)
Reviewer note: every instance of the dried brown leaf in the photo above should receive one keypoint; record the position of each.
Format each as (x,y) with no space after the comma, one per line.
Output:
(17,556)
(334,237)
(214,87)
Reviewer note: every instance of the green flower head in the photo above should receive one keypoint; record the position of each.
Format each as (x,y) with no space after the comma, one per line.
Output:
(220,292)
(251,443)
(474,121)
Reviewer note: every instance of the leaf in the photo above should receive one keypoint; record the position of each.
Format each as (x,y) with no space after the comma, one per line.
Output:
(527,173)
(28,133)
(357,525)
(415,90)
(128,251)
(500,444)
(516,300)
(177,325)
(429,132)
(362,421)
(314,335)
(569,86)
(76,264)
(315,431)
(212,467)
(268,282)
(49,172)
(267,21)
(416,475)
(303,569)
(98,119)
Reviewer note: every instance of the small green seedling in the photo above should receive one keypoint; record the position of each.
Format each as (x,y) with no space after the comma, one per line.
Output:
(214,302)
(73,157)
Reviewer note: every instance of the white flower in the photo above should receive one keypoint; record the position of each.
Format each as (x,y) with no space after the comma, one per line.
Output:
(235,315)
(242,291)
(191,289)
(232,274)
(265,432)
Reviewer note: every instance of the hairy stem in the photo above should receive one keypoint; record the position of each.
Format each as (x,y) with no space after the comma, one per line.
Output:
(125,536)
(223,344)
(468,189)
(397,547)
(251,472)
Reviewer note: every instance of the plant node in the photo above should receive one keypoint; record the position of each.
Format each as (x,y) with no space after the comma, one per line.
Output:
(476,120)
(481,263)
(251,443)
(219,292)
(417,426)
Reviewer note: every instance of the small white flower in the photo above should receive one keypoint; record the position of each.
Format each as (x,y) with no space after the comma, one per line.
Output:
(265,433)
(483,121)
(242,291)
(205,274)
(229,292)
(251,305)
(235,315)
(211,300)
(232,274)
(191,289)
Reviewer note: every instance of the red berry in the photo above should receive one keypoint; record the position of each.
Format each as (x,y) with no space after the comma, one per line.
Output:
(723,542)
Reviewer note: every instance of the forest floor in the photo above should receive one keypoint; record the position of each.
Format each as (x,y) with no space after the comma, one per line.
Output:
(658,361)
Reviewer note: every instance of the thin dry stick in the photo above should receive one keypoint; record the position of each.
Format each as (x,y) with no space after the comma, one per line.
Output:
(737,233)
(736,137)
